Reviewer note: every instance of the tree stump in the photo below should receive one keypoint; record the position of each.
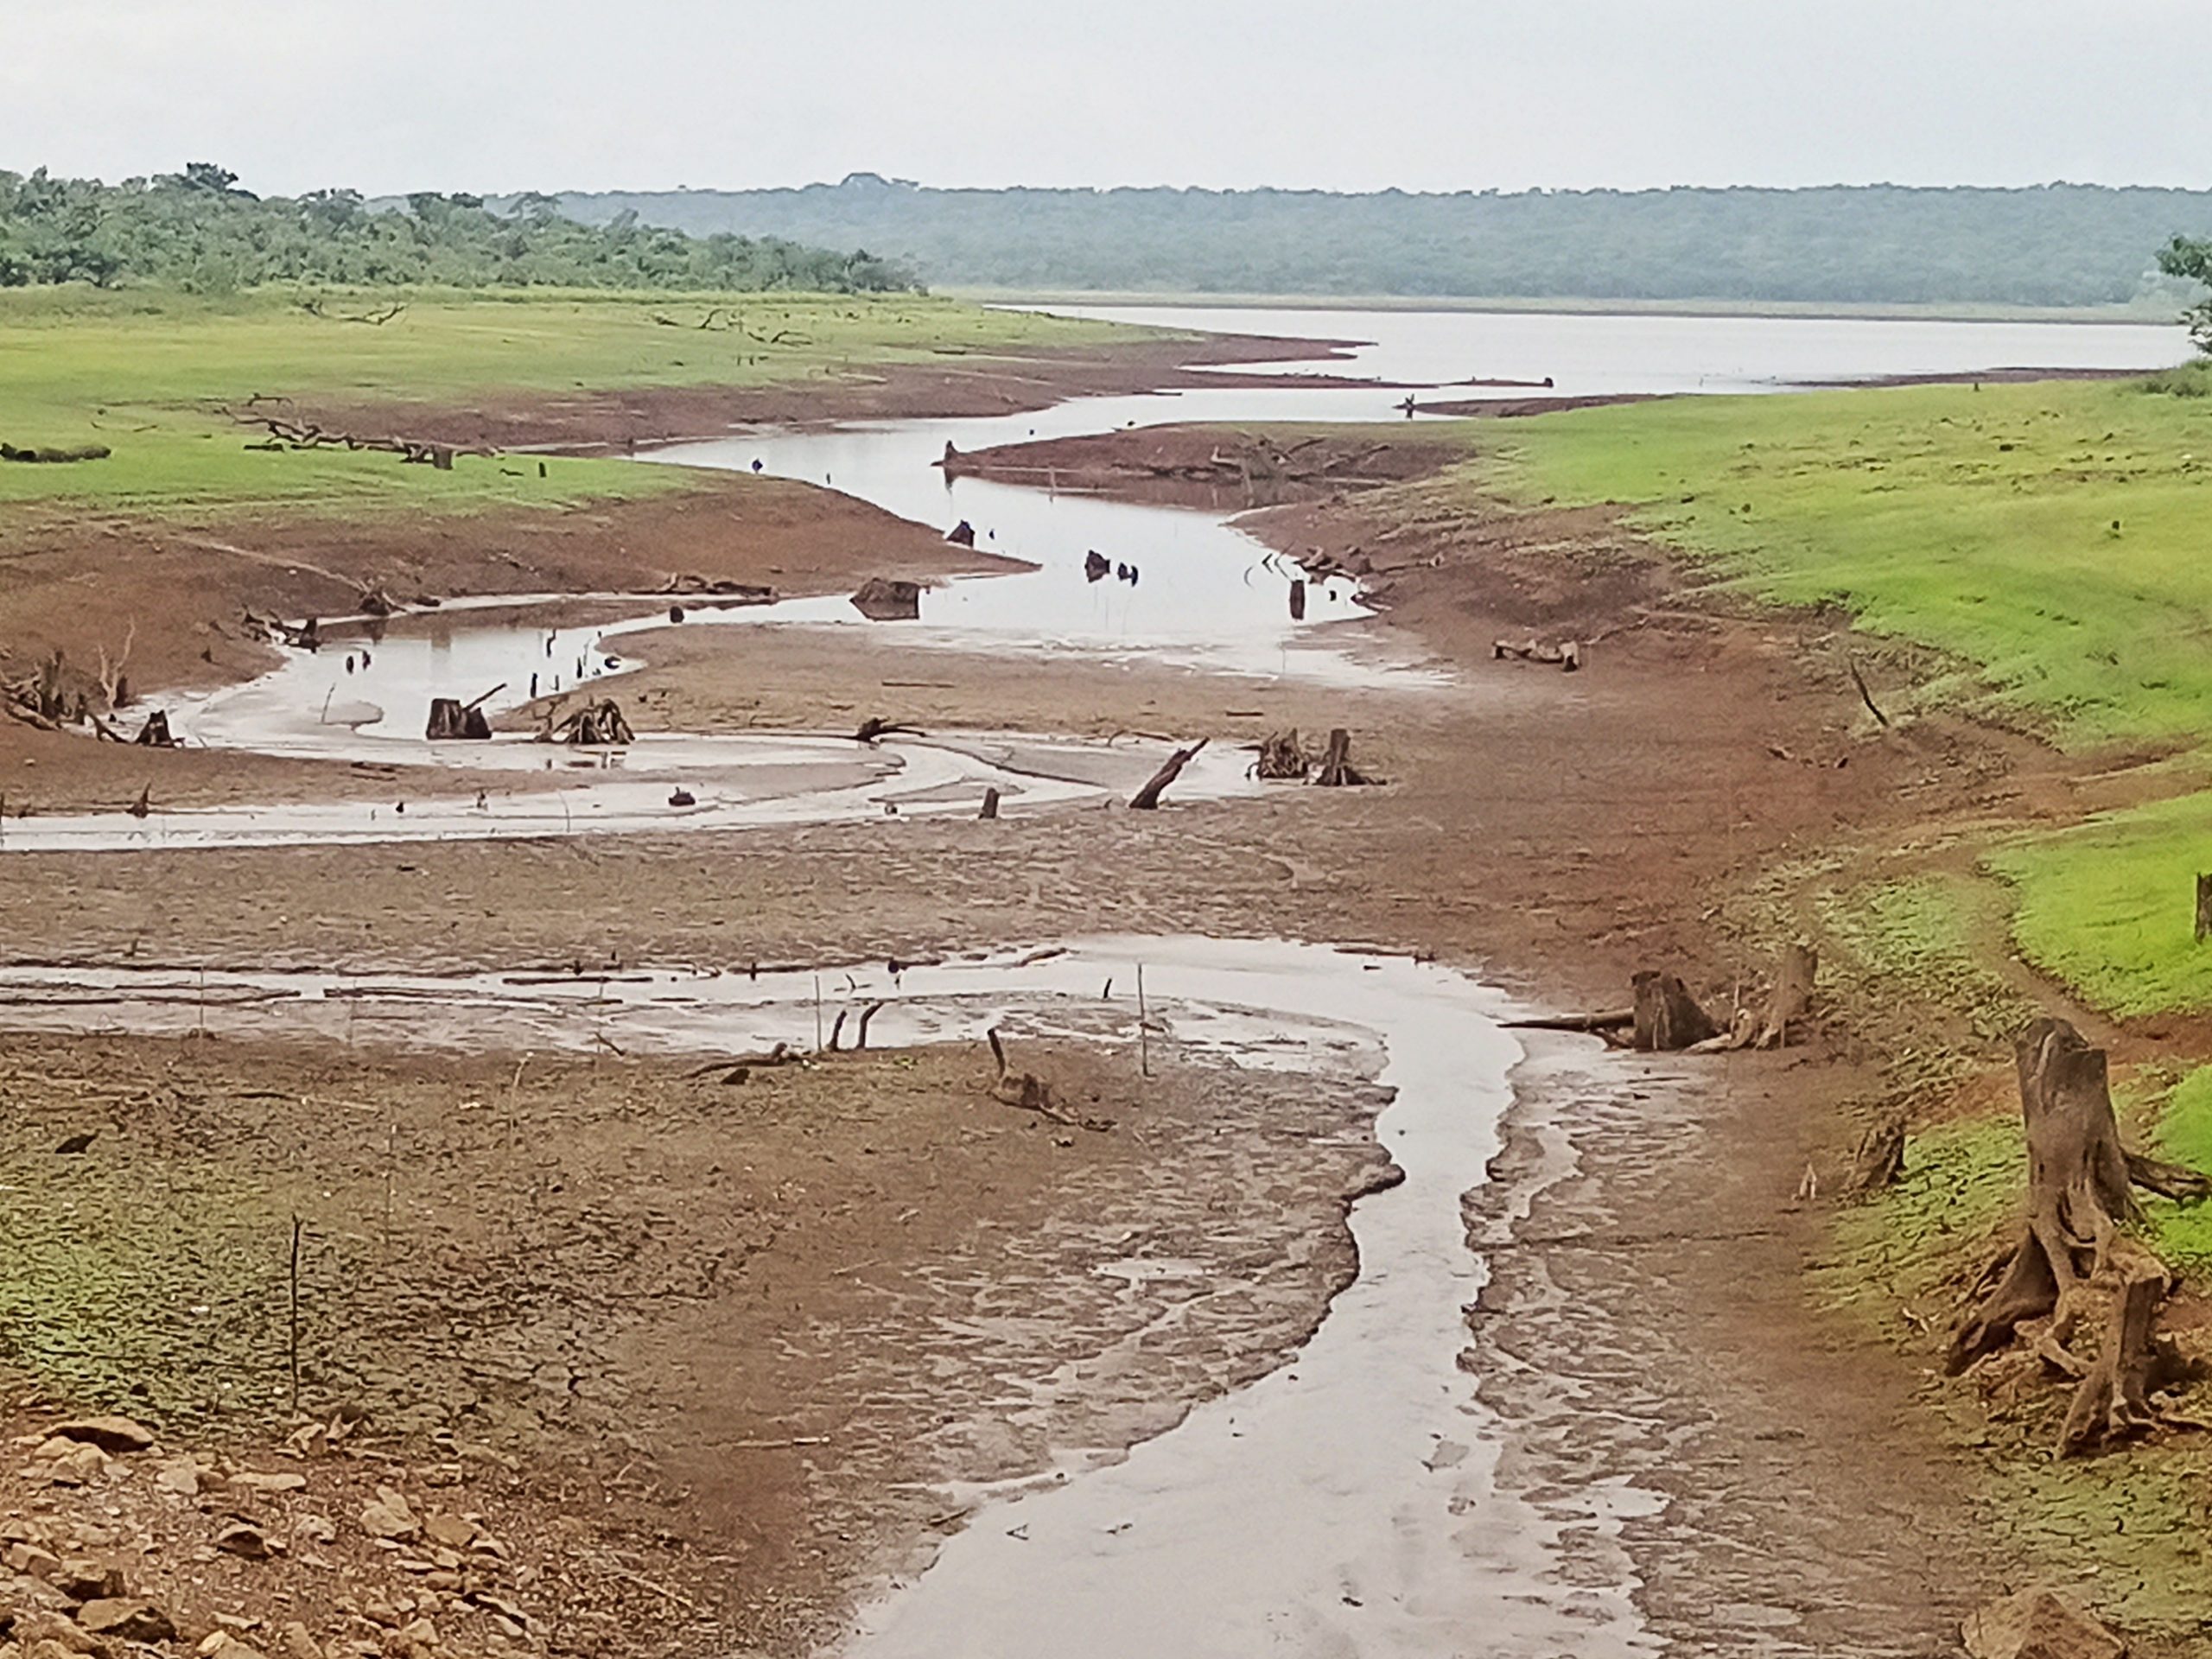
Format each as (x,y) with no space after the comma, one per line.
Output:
(155,733)
(1279,755)
(1793,997)
(888,599)
(990,804)
(450,718)
(1668,1018)
(2079,1181)
(1297,599)
(2203,908)
(1337,770)
(1880,1161)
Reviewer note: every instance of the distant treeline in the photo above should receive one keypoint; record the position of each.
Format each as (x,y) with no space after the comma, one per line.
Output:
(197,231)
(2057,244)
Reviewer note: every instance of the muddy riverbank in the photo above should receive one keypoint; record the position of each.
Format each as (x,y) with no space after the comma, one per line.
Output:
(1548,833)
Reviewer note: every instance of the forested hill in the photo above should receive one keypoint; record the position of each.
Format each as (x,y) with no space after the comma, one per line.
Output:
(198,231)
(2060,244)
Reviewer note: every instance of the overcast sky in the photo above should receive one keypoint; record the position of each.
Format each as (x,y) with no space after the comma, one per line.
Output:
(493,95)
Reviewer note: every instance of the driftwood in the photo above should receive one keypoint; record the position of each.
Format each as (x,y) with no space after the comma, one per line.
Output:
(876,726)
(1606,1020)
(1336,769)
(1667,1017)
(1030,1092)
(54,455)
(1281,757)
(2079,1193)
(746,593)
(888,599)
(285,432)
(596,724)
(1865,696)
(1148,799)
(1566,655)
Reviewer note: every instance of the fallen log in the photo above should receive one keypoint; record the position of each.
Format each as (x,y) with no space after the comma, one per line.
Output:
(1606,1020)
(1148,799)
(876,726)
(50,455)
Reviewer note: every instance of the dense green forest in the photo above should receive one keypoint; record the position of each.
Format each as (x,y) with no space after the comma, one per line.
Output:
(196,230)
(2059,244)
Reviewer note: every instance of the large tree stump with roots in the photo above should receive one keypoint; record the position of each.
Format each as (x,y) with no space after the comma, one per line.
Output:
(1336,769)
(2079,1182)
(1668,1018)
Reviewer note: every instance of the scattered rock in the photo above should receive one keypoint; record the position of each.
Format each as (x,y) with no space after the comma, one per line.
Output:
(182,1477)
(82,1580)
(388,1516)
(30,1560)
(252,1482)
(293,1642)
(117,1434)
(243,1539)
(2039,1624)
(450,1530)
(54,1633)
(127,1620)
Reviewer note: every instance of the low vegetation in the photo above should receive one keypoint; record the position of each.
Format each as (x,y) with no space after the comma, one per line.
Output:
(158,377)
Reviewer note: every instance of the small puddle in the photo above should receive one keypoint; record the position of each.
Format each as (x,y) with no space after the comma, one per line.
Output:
(1347,1505)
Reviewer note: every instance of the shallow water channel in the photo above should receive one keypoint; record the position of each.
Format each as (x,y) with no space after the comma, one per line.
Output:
(1346,1504)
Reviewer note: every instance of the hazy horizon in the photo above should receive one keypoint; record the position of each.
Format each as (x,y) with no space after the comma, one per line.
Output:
(1419,95)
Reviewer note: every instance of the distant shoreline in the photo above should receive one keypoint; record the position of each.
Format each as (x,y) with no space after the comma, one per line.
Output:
(2154,317)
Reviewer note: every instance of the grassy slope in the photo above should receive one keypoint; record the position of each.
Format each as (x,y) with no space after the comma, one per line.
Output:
(151,376)
(2049,539)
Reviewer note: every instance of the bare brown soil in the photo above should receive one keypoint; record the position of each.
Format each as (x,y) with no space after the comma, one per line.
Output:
(951,384)
(176,597)
(722,1336)
(1553,833)
(1216,468)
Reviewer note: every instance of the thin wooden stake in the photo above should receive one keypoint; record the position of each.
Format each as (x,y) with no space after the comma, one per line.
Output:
(817,1014)
(1144,1029)
(295,1335)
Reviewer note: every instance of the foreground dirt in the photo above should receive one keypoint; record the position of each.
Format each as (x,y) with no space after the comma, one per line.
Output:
(686,1347)
(1553,833)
